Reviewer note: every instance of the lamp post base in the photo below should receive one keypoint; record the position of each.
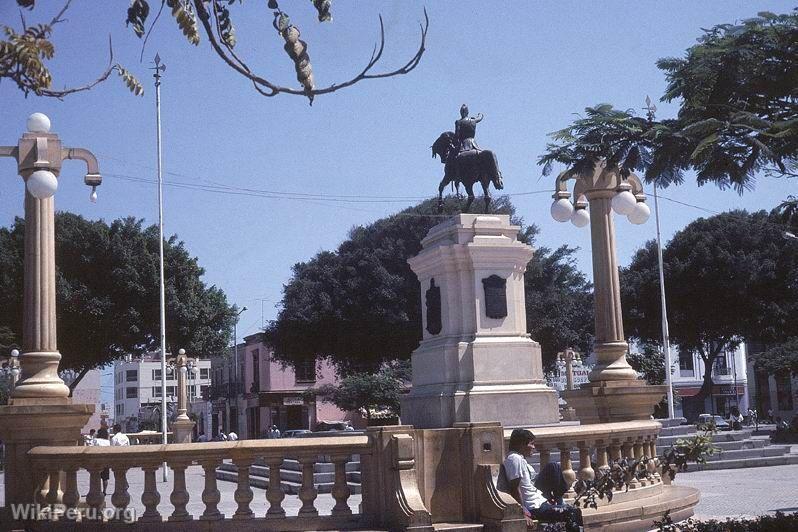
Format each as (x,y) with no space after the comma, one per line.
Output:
(611,401)
(29,423)
(182,429)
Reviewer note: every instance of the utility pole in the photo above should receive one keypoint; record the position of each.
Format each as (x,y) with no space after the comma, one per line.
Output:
(159,67)
(666,345)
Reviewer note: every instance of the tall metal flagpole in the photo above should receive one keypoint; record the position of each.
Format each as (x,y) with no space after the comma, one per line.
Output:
(666,343)
(158,69)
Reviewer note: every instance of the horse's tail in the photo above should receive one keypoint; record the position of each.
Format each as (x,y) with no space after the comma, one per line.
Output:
(490,165)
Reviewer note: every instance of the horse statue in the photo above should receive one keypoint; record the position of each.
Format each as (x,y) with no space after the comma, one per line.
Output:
(466,167)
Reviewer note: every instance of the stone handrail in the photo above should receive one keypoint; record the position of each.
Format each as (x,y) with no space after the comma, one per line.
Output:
(605,442)
(50,463)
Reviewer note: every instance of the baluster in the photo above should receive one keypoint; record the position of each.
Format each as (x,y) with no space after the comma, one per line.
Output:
(307,493)
(211,495)
(275,493)
(243,494)
(601,458)
(120,498)
(179,497)
(615,450)
(71,495)
(545,457)
(567,469)
(638,448)
(586,471)
(150,496)
(340,490)
(651,444)
(52,497)
(629,454)
(95,498)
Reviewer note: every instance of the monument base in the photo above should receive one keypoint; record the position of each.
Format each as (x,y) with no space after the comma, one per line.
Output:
(29,423)
(610,401)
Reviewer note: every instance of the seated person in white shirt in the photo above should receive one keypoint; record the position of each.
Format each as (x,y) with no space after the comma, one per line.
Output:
(540,495)
(119,439)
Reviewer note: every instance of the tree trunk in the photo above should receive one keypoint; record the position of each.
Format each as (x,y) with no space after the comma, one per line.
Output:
(77,380)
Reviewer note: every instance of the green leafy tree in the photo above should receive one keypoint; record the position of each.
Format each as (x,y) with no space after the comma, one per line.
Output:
(107,284)
(368,392)
(360,305)
(781,358)
(728,278)
(738,113)
(23,55)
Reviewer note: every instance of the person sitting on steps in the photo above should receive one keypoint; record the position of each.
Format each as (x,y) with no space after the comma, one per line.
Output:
(539,495)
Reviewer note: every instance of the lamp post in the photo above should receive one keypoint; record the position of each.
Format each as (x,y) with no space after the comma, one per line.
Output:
(40,411)
(182,426)
(236,368)
(567,359)
(614,392)
(39,154)
(11,367)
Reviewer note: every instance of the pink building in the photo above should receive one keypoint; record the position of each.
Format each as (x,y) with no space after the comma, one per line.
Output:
(271,394)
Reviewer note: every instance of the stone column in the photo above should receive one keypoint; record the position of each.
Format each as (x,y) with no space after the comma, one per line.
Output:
(40,357)
(182,426)
(610,345)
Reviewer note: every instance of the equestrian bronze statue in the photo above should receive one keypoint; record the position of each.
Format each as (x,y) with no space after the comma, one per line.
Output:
(464,161)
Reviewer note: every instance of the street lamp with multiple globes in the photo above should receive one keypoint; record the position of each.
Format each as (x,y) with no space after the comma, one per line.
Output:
(614,393)
(11,367)
(39,156)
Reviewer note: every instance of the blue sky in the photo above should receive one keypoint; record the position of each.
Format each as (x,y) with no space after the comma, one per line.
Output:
(527,66)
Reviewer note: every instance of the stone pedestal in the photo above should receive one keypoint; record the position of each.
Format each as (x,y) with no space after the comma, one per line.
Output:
(29,423)
(182,430)
(611,401)
(476,362)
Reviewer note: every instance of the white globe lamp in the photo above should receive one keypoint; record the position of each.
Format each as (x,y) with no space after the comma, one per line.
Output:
(561,210)
(640,213)
(38,123)
(580,217)
(624,203)
(42,184)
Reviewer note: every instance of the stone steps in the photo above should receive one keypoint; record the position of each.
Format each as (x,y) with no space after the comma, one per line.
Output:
(745,462)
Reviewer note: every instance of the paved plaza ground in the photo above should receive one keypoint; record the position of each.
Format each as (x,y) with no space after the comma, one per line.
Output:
(724,493)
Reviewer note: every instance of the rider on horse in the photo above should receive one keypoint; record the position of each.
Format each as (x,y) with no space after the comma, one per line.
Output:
(465,130)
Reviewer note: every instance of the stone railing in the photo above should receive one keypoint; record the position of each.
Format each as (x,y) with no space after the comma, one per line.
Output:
(56,472)
(584,451)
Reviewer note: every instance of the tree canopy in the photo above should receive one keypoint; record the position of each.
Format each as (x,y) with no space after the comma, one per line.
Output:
(107,284)
(360,305)
(738,112)
(728,278)
(23,54)
(781,358)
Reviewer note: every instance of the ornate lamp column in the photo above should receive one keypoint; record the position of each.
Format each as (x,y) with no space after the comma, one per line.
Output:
(182,425)
(39,156)
(40,411)
(614,393)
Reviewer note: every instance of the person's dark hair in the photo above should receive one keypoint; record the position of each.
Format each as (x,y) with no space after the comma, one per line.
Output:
(117,427)
(91,432)
(102,433)
(519,438)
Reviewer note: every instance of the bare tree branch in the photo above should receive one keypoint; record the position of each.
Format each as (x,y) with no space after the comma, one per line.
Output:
(146,37)
(89,86)
(267,88)
(57,18)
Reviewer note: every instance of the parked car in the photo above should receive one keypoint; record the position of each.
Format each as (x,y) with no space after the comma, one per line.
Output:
(296,433)
(717,421)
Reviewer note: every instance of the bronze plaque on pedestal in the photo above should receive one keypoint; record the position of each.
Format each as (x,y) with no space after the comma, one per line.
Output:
(433,298)
(495,297)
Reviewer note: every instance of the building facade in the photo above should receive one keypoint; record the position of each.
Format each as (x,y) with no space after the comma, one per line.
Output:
(267,393)
(137,390)
(777,393)
(729,389)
